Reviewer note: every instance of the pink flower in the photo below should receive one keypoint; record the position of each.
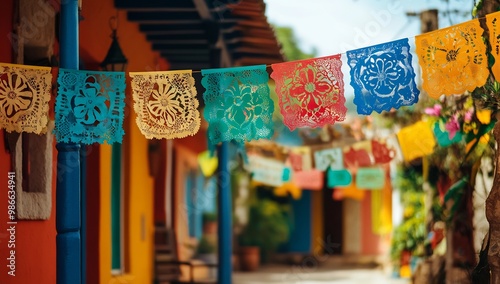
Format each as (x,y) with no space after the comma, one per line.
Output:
(468,115)
(452,126)
(434,111)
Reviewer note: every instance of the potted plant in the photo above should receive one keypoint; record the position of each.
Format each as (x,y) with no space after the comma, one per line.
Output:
(267,228)
(206,245)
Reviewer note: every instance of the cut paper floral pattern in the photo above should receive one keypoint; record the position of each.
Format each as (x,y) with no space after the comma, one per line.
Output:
(492,21)
(90,106)
(382,77)
(238,106)
(166,104)
(310,92)
(329,158)
(24,98)
(453,60)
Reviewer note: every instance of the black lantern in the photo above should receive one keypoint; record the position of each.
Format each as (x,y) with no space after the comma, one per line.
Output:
(115,60)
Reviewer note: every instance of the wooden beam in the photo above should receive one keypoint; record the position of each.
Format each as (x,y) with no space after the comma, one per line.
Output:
(161,9)
(174,33)
(249,5)
(186,58)
(173,52)
(258,32)
(253,40)
(181,42)
(252,8)
(163,17)
(166,22)
(169,4)
(245,61)
(176,37)
(247,13)
(206,15)
(179,27)
(163,46)
(257,50)
(189,65)
(254,23)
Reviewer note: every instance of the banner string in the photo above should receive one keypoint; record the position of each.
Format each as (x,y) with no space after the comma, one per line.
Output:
(343,53)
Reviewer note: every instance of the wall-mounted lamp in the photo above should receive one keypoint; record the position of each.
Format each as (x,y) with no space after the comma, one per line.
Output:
(115,60)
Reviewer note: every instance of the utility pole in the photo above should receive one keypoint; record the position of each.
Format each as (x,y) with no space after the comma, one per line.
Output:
(459,257)
(428,22)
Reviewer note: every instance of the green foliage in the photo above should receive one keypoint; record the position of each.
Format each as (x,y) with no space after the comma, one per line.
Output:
(290,44)
(477,7)
(206,245)
(448,160)
(209,217)
(409,179)
(410,235)
(267,226)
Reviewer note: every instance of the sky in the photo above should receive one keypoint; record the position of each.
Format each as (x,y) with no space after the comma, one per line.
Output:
(335,26)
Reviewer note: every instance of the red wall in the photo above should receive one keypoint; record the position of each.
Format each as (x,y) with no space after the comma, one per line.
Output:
(196,143)
(93,213)
(5,28)
(160,184)
(35,240)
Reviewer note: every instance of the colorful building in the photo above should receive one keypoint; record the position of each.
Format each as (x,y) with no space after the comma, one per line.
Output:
(139,192)
(136,189)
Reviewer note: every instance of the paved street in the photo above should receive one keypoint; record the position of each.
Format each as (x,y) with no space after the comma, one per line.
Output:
(291,275)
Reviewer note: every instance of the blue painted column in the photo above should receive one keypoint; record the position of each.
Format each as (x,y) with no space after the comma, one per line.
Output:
(224,214)
(68,215)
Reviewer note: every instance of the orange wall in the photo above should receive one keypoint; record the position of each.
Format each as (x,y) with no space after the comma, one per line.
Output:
(35,240)
(139,226)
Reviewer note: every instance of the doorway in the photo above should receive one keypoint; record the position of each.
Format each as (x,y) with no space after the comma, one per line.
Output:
(332,223)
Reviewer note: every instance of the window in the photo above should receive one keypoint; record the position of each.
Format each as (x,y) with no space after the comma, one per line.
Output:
(193,212)
(32,161)
(201,195)
(117,263)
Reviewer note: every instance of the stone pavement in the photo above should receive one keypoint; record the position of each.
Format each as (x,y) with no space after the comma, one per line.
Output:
(319,275)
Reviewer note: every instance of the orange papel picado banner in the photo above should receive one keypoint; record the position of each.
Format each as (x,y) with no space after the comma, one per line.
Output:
(453,60)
